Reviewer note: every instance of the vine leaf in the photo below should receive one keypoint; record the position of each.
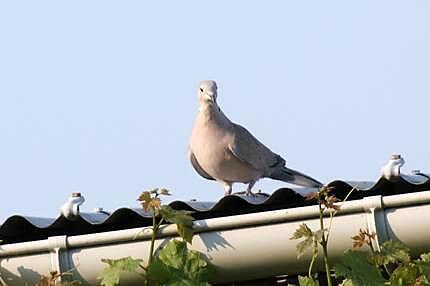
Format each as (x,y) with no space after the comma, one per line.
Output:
(405,275)
(111,274)
(355,266)
(148,202)
(310,239)
(176,265)
(307,281)
(182,219)
(364,237)
(392,252)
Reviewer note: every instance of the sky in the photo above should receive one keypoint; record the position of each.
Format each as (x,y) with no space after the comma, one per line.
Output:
(99,97)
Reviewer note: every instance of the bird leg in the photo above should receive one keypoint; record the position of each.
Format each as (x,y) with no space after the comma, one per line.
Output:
(248,189)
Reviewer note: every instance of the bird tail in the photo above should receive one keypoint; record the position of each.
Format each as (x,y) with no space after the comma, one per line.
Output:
(294,177)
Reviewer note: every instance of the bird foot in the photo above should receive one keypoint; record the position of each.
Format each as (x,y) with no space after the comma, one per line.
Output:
(246,193)
(250,193)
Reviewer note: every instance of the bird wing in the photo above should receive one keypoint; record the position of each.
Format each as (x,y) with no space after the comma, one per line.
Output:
(248,149)
(197,166)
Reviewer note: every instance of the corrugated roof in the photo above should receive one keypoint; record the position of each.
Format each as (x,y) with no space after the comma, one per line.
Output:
(22,228)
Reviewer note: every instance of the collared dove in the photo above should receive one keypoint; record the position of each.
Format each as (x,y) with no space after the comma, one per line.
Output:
(226,152)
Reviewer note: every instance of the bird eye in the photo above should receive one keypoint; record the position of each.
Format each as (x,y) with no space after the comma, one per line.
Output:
(201,89)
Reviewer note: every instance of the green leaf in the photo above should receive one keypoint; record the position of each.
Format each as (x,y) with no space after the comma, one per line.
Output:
(176,265)
(302,231)
(404,275)
(182,219)
(355,265)
(302,246)
(311,239)
(347,282)
(423,266)
(111,274)
(307,281)
(392,252)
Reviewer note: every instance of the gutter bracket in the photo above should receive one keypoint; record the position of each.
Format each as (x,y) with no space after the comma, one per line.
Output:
(59,261)
(376,220)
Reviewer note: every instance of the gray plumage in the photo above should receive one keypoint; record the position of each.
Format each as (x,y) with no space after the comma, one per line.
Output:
(226,152)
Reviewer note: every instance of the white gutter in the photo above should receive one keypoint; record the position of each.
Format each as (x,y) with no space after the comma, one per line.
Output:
(243,247)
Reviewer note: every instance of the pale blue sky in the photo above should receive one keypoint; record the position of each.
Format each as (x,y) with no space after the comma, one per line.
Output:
(99,97)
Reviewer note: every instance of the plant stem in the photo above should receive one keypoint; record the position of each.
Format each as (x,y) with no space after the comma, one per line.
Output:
(314,256)
(155,228)
(324,244)
(153,236)
(330,225)
(333,213)
(373,251)
(326,263)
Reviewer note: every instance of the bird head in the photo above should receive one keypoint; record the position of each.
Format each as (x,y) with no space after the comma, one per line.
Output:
(207,91)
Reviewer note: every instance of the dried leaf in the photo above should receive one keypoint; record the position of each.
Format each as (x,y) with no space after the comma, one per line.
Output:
(144,199)
(51,280)
(364,237)
(359,240)
(325,190)
(155,204)
(148,202)
(329,203)
(310,196)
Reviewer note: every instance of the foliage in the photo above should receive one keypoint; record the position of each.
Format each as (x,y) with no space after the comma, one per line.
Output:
(364,237)
(392,252)
(176,265)
(358,269)
(52,280)
(307,281)
(311,239)
(111,274)
(172,265)
(395,255)
(369,268)
(182,219)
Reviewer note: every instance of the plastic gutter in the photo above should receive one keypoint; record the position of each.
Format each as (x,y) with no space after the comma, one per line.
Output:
(243,247)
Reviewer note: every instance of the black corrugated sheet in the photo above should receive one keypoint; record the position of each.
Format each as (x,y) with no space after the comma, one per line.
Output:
(20,228)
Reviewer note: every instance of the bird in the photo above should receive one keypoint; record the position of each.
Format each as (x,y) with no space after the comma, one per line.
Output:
(228,153)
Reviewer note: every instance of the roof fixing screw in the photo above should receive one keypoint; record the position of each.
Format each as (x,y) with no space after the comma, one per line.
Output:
(70,209)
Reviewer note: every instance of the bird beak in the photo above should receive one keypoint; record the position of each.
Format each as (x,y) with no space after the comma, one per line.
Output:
(208,96)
